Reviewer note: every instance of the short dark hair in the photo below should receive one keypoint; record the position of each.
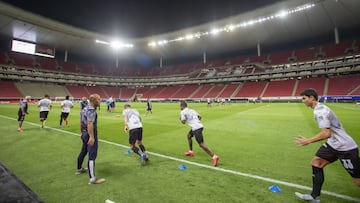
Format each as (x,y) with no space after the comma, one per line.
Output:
(310,92)
(183,104)
(67,97)
(127,106)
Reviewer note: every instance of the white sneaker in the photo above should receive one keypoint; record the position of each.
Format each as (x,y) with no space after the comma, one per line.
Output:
(96,181)
(307,197)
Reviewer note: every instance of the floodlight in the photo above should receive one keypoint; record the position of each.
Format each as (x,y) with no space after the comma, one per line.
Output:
(281,14)
(101,42)
(214,31)
(116,44)
(189,36)
(231,27)
(152,44)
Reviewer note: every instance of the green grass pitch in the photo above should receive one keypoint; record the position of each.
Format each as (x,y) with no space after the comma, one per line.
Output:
(252,140)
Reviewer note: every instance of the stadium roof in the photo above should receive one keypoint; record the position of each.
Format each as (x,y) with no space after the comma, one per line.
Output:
(281,22)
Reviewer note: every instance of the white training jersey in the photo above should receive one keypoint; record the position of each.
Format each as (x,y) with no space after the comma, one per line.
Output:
(191,118)
(134,119)
(338,139)
(66,106)
(44,104)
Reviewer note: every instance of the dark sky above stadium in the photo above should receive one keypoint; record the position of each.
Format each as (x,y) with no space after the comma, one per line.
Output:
(138,18)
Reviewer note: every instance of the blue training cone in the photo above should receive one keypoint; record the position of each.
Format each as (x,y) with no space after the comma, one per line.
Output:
(275,189)
(128,151)
(182,167)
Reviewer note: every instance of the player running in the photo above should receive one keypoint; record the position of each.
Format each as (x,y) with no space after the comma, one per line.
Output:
(339,145)
(66,105)
(133,126)
(45,106)
(192,118)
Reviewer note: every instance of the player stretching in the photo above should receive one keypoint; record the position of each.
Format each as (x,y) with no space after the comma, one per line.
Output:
(339,145)
(192,118)
(133,126)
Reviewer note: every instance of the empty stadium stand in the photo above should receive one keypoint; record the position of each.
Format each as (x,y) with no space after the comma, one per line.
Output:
(317,83)
(202,91)
(332,69)
(77,91)
(38,90)
(9,90)
(344,85)
(185,91)
(112,91)
(215,91)
(279,88)
(98,90)
(229,90)
(24,60)
(167,92)
(46,63)
(251,89)
(127,93)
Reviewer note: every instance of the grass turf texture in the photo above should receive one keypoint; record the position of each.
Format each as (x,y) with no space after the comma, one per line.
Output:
(255,139)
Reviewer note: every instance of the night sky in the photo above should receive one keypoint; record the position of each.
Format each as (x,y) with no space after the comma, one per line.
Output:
(138,18)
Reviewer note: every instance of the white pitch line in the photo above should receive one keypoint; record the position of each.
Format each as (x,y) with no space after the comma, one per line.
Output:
(354,199)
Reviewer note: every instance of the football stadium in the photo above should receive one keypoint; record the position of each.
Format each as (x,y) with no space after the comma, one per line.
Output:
(219,78)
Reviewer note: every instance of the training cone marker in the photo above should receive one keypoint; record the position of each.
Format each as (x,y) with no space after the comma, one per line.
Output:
(275,189)
(182,167)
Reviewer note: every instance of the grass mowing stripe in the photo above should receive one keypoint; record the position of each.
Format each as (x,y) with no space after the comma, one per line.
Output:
(207,166)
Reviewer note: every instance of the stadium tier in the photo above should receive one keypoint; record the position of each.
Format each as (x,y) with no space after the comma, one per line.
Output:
(4,58)
(317,83)
(127,93)
(331,69)
(167,92)
(9,90)
(229,90)
(112,91)
(215,91)
(251,89)
(280,57)
(280,88)
(153,92)
(77,91)
(185,91)
(46,63)
(202,91)
(98,90)
(23,60)
(339,86)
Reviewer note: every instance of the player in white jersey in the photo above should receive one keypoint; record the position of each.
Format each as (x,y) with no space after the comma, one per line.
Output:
(45,106)
(133,126)
(66,105)
(339,145)
(192,118)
